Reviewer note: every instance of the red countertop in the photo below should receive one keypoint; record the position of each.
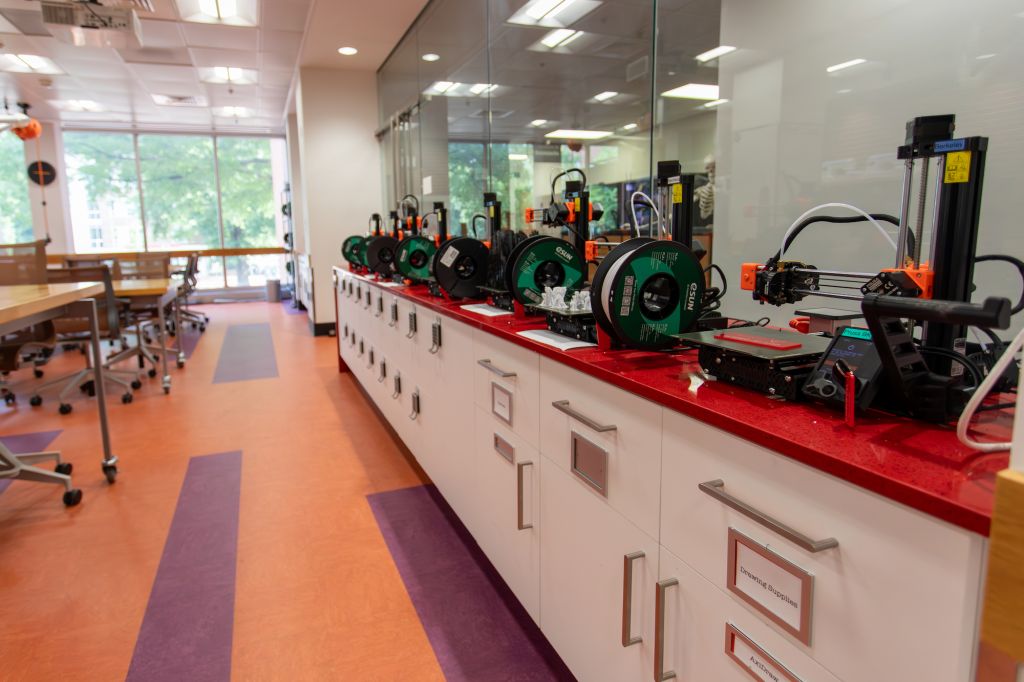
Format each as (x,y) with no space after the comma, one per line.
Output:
(917,464)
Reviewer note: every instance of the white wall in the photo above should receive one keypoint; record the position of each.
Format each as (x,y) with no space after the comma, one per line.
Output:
(793,136)
(340,161)
(295,173)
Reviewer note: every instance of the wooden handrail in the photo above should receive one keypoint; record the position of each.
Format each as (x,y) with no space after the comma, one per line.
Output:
(58,258)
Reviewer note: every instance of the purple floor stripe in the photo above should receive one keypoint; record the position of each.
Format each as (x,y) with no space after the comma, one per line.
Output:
(27,442)
(188,625)
(478,629)
(189,341)
(247,353)
(290,307)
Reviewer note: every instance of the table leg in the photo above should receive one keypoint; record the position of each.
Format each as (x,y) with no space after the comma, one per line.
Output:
(180,332)
(163,348)
(109,461)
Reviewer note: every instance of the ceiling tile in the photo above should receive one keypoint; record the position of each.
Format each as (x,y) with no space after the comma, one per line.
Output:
(285,16)
(287,42)
(278,60)
(226,37)
(173,88)
(178,56)
(162,34)
(215,57)
(276,77)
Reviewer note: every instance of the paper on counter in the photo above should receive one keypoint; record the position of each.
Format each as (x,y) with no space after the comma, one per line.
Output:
(391,284)
(550,338)
(485,310)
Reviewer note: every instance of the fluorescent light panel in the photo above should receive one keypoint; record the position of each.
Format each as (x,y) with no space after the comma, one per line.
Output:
(567,134)
(233,112)
(605,96)
(629,126)
(442,87)
(228,74)
(30,63)
(538,9)
(845,65)
(77,105)
(714,103)
(483,88)
(714,53)
(219,9)
(559,8)
(538,122)
(560,37)
(693,91)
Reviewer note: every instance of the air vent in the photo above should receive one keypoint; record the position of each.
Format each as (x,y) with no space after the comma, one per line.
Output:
(636,69)
(180,100)
(496,114)
(59,14)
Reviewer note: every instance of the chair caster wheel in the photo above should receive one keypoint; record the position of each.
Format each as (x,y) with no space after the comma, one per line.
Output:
(35,401)
(64,408)
(110,471)
(64,468)
(181,364)
(167,389)
(152,373)
(126,398)
(136,384)
(38,373)
(10,398)
(202,328)
(72,497)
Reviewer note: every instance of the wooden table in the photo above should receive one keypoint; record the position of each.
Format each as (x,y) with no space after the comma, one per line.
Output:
(24,305)
(159,293)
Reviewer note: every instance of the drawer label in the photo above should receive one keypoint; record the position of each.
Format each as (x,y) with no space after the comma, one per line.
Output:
(772,584)
(501,403)
(756,661)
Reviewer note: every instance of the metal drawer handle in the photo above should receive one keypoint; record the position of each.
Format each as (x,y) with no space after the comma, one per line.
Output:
(716,489)
(394,315)
(415,405)
(435,335)
(488,365)
(412,326)
(627,599)
(563,406)
(519,496)
(383,372)
(660,674)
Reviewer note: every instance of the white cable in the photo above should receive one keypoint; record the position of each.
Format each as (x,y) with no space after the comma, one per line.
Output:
(650,203)
(979,395)
(799,220)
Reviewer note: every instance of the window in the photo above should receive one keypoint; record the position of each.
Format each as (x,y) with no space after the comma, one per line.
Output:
(179,192)
(466,167)
(15,213)
(103,192)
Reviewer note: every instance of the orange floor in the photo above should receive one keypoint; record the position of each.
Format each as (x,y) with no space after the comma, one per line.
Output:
(317,594)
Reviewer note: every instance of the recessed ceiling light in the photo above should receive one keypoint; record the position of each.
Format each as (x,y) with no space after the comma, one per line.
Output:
(232,112)
(714,103)
(77,105)
(845,65)
(538,9)
(431,57)
(605,96)
(180,100)
(444,86)
(29,63)
(715,53)
(579,134)
(560,37)
(518,157)
(483,88)
(558,9)
(219,9)
(538,122)
(985,56)
(693,91)
(347,51)
(629,126)
(228,74)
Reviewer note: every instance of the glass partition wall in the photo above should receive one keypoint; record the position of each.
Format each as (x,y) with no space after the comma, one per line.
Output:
(773,108)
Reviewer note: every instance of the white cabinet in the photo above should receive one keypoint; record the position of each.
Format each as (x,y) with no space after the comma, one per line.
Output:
(693,627)
(605,437)
(583,594)
(506,510)
(507,383)
(900,586)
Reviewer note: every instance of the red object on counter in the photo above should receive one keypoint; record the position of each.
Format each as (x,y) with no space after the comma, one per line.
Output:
(851,398)
(758,341)
(920,465)
(801,324)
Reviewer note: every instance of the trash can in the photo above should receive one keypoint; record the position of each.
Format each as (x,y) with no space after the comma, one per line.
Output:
(274,290)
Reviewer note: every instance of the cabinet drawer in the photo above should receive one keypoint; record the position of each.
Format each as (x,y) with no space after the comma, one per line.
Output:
(697,645)
(610,440)
(895,600)
(505,516)
(587,605)
(507,384)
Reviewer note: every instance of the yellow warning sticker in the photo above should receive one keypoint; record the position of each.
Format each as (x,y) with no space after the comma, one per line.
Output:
(677,194)
(577,203)
(491,210)
(958,167)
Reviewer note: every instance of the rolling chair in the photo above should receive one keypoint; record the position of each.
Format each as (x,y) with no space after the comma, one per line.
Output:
(76,330)
(190,278)
(24,263)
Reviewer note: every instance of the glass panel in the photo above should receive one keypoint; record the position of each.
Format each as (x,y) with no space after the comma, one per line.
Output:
(252,271)
(211,273)
(103,192)
(15,212)
(252,175)
(179,191)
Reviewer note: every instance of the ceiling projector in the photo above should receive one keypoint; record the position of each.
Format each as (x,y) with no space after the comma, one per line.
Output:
(87,23)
